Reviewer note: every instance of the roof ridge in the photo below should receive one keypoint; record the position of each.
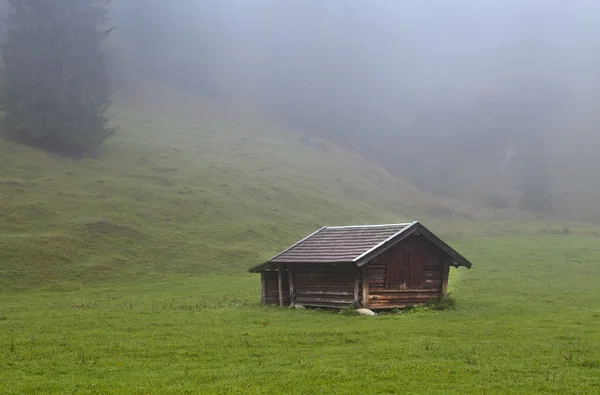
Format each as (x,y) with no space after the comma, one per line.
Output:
(368,226)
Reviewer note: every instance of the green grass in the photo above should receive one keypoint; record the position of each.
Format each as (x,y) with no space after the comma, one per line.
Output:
(526,322)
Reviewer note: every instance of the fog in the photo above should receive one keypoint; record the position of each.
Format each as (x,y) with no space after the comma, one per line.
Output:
(494,101)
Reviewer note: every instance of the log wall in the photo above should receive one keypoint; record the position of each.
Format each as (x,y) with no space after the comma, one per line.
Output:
(325,285)
(425,257)
(270,288)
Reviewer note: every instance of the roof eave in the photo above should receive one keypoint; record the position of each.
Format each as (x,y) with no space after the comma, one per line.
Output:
(398,237)
(259,268)
(458,258)
(295,244)
(267,265)
(256,268)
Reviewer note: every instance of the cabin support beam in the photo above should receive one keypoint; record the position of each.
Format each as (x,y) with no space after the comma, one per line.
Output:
(356,288)
(291,282)
(280,284)
(445,276)
(365,286)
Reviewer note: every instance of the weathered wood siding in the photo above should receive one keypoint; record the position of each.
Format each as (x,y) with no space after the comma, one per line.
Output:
(270,284)
(270,287)
(422,277)
(325,285)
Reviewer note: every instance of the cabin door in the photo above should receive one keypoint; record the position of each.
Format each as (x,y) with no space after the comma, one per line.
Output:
(404,269)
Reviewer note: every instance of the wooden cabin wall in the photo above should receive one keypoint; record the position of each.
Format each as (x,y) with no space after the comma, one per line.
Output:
(428,283)
(325,285)
(270,287)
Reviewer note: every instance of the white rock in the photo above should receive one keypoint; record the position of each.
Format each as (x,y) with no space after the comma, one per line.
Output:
(366,312)
(298,307)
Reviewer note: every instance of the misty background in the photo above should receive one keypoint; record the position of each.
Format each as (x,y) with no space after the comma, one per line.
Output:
(493,102)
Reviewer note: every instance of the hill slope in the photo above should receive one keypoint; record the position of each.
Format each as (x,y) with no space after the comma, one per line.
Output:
(170,195)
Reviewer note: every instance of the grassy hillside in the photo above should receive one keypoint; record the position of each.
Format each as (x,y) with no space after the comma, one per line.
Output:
(205,189)
(174,195)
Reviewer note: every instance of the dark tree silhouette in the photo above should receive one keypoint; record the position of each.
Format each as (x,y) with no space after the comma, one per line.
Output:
(55,92)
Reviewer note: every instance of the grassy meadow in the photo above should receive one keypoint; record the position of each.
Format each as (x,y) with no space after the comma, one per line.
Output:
(527,321)
(126,274)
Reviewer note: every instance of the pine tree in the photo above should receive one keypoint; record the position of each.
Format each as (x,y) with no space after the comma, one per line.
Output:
(54,92)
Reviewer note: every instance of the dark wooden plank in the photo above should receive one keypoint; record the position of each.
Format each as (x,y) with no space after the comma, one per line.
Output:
(394,306)
(392,291)
(271,288)
(291,284)
(365,287)
(349,283)
(280,285)
(305,301)
(376,279)
(321,286)
(328,305)
(422,294)
(324,280)
(331,277)
(323,292)
(445,280)
(346,269)
(356,290)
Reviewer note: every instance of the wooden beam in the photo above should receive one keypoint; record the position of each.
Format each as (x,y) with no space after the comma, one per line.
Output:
(280,284)
(263,286)
(365,286)
(356,288)
(291,283)
(445,279)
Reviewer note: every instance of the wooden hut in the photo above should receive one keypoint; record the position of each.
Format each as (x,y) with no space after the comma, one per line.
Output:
(368,266)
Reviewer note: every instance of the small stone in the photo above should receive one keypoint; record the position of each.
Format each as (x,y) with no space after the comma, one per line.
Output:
(365,312)
(298,307)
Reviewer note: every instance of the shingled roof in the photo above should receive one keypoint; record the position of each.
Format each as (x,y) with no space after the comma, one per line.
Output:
(353,244)
(338,243)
